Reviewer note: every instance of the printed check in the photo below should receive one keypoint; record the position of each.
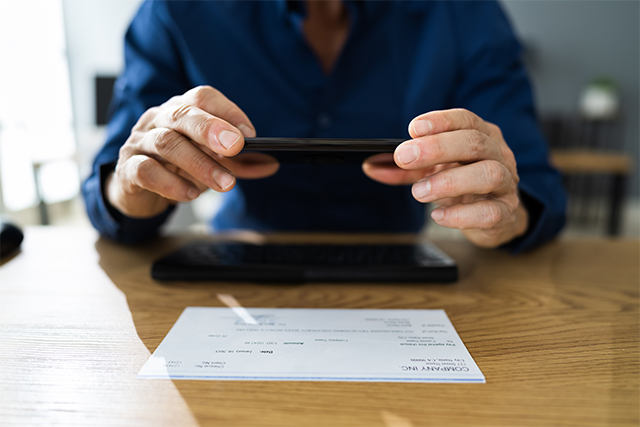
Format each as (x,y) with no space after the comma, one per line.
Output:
(238,343)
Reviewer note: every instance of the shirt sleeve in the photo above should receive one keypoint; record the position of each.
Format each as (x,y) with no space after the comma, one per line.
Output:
(152,75)
(493,83)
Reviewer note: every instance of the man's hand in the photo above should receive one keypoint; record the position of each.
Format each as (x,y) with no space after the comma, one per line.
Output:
(179,149)
(462,163)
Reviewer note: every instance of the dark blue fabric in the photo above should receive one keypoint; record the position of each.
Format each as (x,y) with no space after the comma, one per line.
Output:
(401,59)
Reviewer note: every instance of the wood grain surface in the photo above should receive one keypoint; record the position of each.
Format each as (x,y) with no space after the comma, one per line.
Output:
(591,161)
(555,332)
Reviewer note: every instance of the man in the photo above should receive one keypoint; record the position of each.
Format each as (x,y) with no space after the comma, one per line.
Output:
(201,76)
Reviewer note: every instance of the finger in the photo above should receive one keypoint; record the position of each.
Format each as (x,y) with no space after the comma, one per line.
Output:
(145,121)
(215,103)
(247,165)
(435,122)
(149,174)
(173,168)
(382,168)
(382,159)
(487,177)
(201,127)
(250,165)
(169,146)
(483,214)
(463,146)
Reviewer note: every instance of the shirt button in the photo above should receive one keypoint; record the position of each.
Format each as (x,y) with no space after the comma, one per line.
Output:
(323,120)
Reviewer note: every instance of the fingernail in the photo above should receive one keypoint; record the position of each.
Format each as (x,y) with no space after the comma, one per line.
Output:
(247,131)
(437,214)
(421,189)
(227,138)
(223,178)
(422,127)
(193,193)
(407,153)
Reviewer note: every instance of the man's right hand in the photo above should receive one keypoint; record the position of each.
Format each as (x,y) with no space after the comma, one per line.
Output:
(181,148)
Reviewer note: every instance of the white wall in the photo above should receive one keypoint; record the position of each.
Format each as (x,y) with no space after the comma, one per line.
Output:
(95,32)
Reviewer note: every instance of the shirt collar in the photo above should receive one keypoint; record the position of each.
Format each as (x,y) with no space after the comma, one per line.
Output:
(358,7)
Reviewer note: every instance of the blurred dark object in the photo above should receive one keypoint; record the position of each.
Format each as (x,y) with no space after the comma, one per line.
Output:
(10,239)
(104,90)
(589,154)
(43,208)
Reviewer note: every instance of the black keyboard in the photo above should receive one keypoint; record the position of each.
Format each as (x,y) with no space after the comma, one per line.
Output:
(306,262)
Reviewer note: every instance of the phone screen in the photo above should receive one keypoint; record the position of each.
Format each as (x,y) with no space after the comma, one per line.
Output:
(320,150)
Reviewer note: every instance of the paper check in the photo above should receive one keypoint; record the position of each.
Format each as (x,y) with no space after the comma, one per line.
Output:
(313,345)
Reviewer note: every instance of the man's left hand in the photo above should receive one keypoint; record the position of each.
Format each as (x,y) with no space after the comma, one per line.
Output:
(463,164)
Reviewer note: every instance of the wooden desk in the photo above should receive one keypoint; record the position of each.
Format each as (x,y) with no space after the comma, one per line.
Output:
(555,332)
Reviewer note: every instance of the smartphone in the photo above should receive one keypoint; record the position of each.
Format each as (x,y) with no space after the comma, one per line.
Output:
(320,151)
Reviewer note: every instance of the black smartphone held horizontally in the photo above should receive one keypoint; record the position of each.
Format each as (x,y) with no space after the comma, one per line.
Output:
(320,151)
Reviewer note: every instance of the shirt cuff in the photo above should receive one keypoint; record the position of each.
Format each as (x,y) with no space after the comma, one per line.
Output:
(123,228)
(542,226)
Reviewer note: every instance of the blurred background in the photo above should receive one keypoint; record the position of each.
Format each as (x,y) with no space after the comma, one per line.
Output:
(60,58)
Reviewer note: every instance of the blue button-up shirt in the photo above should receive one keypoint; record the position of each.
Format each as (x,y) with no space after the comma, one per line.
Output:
(401,59)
